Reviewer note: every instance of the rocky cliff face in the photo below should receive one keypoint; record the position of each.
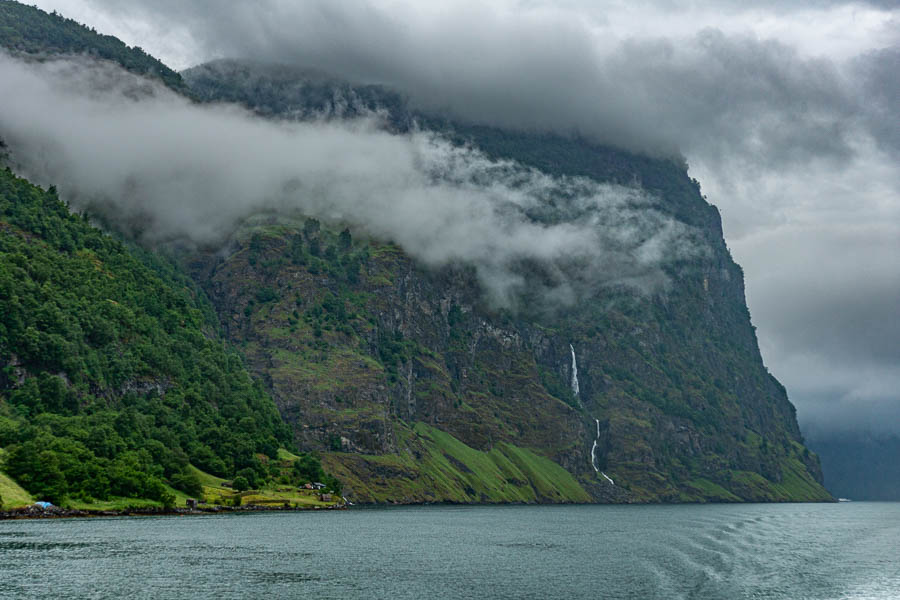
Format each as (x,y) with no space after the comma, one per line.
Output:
(359,344)
(640,394)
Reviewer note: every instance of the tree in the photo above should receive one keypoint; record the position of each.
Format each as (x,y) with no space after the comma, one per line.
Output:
(311,227)
(308,468)
(187,482)
(345,240)
(240,484)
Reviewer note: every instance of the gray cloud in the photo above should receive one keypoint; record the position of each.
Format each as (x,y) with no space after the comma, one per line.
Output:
(785,6)
(820,247)
(879,85)
(830,301)
(707,93)
(173,168)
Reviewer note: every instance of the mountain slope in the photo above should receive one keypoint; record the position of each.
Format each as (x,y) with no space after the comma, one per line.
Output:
(671,385)
(113,379)
(360,346)
(361,343)
(29,30)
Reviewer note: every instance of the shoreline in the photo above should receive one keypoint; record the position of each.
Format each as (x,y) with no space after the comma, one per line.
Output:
(56,512)
(31,512)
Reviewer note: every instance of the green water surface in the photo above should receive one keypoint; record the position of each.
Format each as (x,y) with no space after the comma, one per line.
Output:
(796,551)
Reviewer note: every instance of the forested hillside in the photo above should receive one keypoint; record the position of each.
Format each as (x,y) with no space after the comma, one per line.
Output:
(113,377)
(27,29)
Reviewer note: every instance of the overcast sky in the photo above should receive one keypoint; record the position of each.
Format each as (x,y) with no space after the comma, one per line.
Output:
(788,113)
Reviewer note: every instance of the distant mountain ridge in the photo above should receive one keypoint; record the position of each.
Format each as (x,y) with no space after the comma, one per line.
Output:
(861,466)
(413,389)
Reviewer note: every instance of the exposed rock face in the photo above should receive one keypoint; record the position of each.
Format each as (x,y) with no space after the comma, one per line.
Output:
(359,343)
(686,409)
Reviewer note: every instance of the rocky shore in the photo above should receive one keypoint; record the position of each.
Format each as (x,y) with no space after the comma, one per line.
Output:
(56,512)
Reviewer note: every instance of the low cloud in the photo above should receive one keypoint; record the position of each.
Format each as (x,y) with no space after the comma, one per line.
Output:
(711,91)
(168,168)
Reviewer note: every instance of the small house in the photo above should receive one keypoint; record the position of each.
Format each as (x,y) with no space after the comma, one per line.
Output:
(325,497)
(318,486)
(191,503)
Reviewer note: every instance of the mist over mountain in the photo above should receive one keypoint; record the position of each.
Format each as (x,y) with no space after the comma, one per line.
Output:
(544,68)
(167,167)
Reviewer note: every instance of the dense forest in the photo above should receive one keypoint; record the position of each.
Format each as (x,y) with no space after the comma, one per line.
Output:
(113,377)
(27,29)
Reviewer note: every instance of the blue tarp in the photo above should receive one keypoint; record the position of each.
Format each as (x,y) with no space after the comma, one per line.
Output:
(43,504)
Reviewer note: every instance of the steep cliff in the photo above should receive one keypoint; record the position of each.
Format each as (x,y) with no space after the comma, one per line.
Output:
(641,394)
(370,356)
(377,360)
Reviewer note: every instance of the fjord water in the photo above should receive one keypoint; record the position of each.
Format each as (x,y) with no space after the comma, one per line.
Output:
(798,551)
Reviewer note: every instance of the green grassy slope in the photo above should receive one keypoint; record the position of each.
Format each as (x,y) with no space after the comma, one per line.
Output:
(12,495)
(437,467)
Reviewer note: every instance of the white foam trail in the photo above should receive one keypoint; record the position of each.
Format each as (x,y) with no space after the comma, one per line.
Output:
(574,371)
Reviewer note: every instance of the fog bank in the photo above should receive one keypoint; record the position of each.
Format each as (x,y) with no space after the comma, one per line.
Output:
(166,168)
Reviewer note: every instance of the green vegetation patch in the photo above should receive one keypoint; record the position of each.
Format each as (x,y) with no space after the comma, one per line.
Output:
(437,467)
(110,384)
(797,485)
(709,491)
(12,495)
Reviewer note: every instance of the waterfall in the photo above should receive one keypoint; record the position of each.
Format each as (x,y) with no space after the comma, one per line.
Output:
(574,371)
(594,451)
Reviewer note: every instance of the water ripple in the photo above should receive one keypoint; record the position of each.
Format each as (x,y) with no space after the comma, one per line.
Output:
(777,552)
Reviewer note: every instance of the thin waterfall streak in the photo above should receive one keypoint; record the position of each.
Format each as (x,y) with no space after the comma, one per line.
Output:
(574,371)
(594,454)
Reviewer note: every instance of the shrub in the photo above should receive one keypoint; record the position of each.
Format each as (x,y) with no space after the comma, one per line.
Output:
(187,482)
